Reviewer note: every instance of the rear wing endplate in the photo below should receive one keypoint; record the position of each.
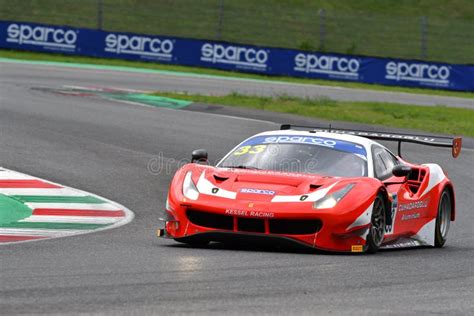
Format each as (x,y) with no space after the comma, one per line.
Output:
(455,143)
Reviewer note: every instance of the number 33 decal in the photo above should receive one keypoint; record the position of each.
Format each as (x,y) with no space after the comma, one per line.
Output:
(250,150)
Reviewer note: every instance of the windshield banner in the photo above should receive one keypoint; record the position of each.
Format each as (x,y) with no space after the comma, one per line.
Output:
(234,57)
(307,140)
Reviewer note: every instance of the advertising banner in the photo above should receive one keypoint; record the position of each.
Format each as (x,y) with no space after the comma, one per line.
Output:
(235,57)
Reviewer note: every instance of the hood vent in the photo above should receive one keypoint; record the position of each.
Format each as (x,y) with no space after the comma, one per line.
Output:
(313,187)
(220,179)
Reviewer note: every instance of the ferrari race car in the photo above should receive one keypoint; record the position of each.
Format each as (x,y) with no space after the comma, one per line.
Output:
(336,190)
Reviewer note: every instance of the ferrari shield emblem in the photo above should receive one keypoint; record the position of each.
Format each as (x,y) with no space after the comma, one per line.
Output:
(250,205)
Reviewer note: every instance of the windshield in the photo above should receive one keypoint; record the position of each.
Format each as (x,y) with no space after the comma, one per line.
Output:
(306,154)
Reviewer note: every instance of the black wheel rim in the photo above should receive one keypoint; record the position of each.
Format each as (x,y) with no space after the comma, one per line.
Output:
(444,215)
(377,229)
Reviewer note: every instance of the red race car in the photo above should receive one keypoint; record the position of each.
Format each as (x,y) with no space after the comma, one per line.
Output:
(336,190)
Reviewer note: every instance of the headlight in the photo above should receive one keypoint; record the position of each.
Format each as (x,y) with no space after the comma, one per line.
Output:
(189,188)
(329,201)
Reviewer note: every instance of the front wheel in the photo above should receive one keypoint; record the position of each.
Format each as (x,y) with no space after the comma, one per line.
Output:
(377,225)
(443,219)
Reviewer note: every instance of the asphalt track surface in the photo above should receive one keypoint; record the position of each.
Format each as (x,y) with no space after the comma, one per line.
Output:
(150,80)
(106,147)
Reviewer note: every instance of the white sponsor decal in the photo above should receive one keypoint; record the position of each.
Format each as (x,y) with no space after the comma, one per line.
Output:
(419,72)
(235,212)
(300,139)
(405,243)
(334,66)
(151,47)
(413,205)
(235,55)
(257,191)
(406,217)
(46,36)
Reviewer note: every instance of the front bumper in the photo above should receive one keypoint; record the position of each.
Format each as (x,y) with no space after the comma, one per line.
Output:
(322,230)
(245,239)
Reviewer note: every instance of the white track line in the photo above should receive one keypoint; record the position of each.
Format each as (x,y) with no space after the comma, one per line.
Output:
(7,175)
(75,206)
(42,192)
(70,219)
(39,232)
(55,233)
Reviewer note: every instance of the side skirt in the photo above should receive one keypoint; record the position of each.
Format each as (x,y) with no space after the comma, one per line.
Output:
(424,237)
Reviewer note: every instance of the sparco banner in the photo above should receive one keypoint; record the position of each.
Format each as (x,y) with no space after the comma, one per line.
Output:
(235,57)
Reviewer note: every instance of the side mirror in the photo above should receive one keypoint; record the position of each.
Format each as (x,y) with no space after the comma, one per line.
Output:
(199,155)
(401,170)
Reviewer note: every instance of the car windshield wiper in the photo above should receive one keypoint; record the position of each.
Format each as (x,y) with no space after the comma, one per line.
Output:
(242,167)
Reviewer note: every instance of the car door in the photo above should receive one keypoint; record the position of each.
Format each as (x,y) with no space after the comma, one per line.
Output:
(408,211)
(384,161)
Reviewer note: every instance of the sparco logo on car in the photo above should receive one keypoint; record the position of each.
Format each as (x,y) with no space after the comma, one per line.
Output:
(413,205)
(418,72)
(333,66)
(147,47)
(46,36)
(300,139)
(242,57)
(257,191)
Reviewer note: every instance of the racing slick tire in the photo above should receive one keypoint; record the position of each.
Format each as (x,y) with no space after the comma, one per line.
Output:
(377,225)
(443,219)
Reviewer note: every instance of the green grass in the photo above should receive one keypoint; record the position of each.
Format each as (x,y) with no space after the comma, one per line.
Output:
(207,71)
(437,119)
(389,28)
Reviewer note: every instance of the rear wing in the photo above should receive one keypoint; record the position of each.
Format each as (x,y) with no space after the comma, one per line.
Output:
(455,143)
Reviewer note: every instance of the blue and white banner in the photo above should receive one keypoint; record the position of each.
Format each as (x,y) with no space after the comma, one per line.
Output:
(38,37)
(235,57)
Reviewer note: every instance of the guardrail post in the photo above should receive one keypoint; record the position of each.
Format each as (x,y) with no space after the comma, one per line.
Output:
(100,12)
(220,21)
(424,37)
(322,28)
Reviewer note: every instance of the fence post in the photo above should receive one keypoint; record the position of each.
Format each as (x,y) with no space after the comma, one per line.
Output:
(100,12)
(322,28)
(220,19)
(424,37)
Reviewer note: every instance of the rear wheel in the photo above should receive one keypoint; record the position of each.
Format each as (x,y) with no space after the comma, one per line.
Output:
(443,219)
(377,225)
